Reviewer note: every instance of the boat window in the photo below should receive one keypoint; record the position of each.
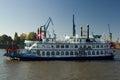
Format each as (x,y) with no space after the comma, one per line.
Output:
(47,46)
(57,53)
(93,52)
(48,53)
(84,46)
(76,46)
(71,53)
(57,46)
(52,53)
(74,40)
(97,52)
(89,52)
(89,46)
(38,51)
(101,46)
(66,46)
(105,46)
(106,52)
(97,46)
(33,51)
(101,52)
(62,53)
(43,46)
(66,53)
(52,46)
(93,46)
(43,53)
(76,53)
(82,53)
(78,40)
(80,46)
(62,46)
(71,46)
(34,46)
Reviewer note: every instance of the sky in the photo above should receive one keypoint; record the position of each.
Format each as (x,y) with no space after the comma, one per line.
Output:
(24,16)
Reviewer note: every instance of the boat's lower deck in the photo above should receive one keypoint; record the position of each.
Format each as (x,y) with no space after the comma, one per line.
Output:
(34,57)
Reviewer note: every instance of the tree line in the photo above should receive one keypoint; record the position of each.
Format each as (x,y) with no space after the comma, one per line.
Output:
(6,40)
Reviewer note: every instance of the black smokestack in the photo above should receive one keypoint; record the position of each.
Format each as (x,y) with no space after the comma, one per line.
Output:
(38,31)
(87,31)
(81,32)
(40,35)
(74,31)
(88,39)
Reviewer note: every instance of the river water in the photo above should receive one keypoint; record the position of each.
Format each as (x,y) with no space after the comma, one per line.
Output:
(60,70)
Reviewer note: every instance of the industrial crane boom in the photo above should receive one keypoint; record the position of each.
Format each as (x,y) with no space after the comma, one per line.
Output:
(47,25)
(110,34)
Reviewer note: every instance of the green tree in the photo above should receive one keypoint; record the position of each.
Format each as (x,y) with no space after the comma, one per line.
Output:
(23,37)
(31,36)
(16,38)
(5,41)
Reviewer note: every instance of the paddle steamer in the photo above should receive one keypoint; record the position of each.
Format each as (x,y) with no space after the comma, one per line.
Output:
(77,47)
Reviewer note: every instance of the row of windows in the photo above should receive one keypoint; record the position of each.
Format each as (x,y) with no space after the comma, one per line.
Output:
(48,53)
(73,46)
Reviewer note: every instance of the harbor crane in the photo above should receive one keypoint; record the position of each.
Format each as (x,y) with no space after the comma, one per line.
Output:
(112,45)
(110,34)
(47,25)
